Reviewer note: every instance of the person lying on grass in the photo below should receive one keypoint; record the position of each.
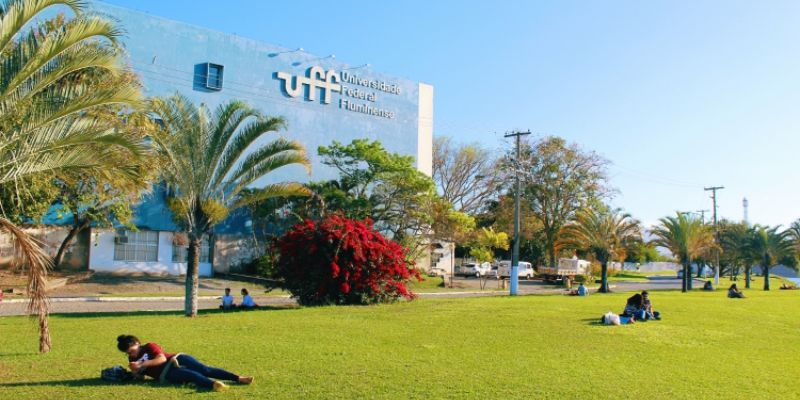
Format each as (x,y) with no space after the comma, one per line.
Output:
(150,360)
(610,318)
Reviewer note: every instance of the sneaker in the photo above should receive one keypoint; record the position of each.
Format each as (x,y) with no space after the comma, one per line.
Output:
(245,380)
(219,386)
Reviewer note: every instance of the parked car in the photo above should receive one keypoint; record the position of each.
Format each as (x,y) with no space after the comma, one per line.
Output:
(437,272)
(525,270)
(475,269)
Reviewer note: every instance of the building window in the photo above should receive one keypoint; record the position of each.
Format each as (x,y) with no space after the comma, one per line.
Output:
(214,74)
(181,253)
(136,246)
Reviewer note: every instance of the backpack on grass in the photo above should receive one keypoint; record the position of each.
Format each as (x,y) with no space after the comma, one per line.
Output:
(116,374)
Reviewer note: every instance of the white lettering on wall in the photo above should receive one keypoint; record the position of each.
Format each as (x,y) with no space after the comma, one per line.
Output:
(316,77)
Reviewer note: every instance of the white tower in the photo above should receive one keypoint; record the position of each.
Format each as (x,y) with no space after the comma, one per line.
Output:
(744,206)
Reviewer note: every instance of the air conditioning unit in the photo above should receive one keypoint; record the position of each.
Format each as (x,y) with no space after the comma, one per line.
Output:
(121,240)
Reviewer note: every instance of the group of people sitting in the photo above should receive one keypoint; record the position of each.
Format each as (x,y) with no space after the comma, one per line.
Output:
(637,308)
(246,304)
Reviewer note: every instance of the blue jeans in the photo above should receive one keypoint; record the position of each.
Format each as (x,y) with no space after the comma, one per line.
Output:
(193,371)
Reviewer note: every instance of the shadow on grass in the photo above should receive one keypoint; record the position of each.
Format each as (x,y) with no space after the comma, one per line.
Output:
(73,383)
(170,313)
(593,321)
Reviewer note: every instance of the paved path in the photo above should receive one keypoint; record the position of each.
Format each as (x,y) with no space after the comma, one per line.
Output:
(134,304)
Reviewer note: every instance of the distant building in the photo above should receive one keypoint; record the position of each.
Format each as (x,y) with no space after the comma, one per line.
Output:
(322,99)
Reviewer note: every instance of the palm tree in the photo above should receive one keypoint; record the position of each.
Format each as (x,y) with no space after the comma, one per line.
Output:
(769,247)
(47,112)
(687,239)
(604,234)
(209,161)
(735,242)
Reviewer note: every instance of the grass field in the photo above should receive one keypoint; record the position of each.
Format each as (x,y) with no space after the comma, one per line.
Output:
(707,346)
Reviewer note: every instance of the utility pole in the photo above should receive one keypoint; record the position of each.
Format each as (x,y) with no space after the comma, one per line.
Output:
(713,191)
(515,250)
(702,215)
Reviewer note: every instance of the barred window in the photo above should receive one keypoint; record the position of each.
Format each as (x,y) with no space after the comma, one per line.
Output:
(140,246)
(181,253)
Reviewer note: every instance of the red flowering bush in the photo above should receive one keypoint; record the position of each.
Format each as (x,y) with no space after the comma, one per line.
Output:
(342,261)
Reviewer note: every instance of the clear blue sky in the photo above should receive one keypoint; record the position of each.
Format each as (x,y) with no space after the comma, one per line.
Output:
(677,94)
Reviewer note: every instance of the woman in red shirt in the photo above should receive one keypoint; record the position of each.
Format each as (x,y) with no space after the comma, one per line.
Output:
(148,359)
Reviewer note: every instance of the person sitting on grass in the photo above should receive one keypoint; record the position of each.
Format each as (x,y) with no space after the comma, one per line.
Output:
(583,290)
(735,293)
(149,360)
(247,300)
(634,307)
(708,286)
(227,300)
(610,318)
(647,307)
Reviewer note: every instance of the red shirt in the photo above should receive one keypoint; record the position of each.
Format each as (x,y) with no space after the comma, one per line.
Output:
(150,351)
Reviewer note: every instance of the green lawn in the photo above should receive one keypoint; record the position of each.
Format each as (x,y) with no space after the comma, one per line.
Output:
(707,346)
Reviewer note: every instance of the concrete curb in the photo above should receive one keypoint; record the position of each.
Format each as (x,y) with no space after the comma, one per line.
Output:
(108,299)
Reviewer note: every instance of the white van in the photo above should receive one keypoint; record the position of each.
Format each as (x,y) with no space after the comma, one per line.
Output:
(525,270)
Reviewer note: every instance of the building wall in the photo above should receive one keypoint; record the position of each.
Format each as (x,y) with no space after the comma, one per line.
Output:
(101,257)
(75,257)
(166,55)
(232,251)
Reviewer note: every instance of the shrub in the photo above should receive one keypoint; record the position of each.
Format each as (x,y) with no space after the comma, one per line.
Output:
(342,261)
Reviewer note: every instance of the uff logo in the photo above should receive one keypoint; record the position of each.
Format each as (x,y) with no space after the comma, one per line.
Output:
(315,78)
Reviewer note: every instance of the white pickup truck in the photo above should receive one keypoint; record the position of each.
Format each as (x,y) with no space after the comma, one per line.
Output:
(525,270)
(567,268)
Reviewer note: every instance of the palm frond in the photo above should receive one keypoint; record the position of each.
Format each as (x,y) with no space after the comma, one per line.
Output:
(28,254)
(19,13)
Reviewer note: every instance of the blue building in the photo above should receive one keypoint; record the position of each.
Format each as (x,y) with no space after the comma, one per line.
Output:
(321,98)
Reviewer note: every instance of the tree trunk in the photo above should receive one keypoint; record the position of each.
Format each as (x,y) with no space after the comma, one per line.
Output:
(73,232)
(192,275)
(700,268)
(604,277)
(687,272)
(551,254)
(766,278)
(689,277)
(747,278)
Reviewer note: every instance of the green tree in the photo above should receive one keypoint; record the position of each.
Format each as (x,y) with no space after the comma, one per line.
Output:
(47,112)
(606,235)
(485,241)
(559,179)
(687,239)
(383,186)
(769,247)
(736,254)
(209,159)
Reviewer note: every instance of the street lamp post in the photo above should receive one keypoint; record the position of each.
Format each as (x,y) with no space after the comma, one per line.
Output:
(515,250)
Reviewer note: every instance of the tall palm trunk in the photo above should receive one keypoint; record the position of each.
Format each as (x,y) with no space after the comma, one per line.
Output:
(604,277)
(687,272)
(689,277)
(192,275)
(766,277)
(747,277)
